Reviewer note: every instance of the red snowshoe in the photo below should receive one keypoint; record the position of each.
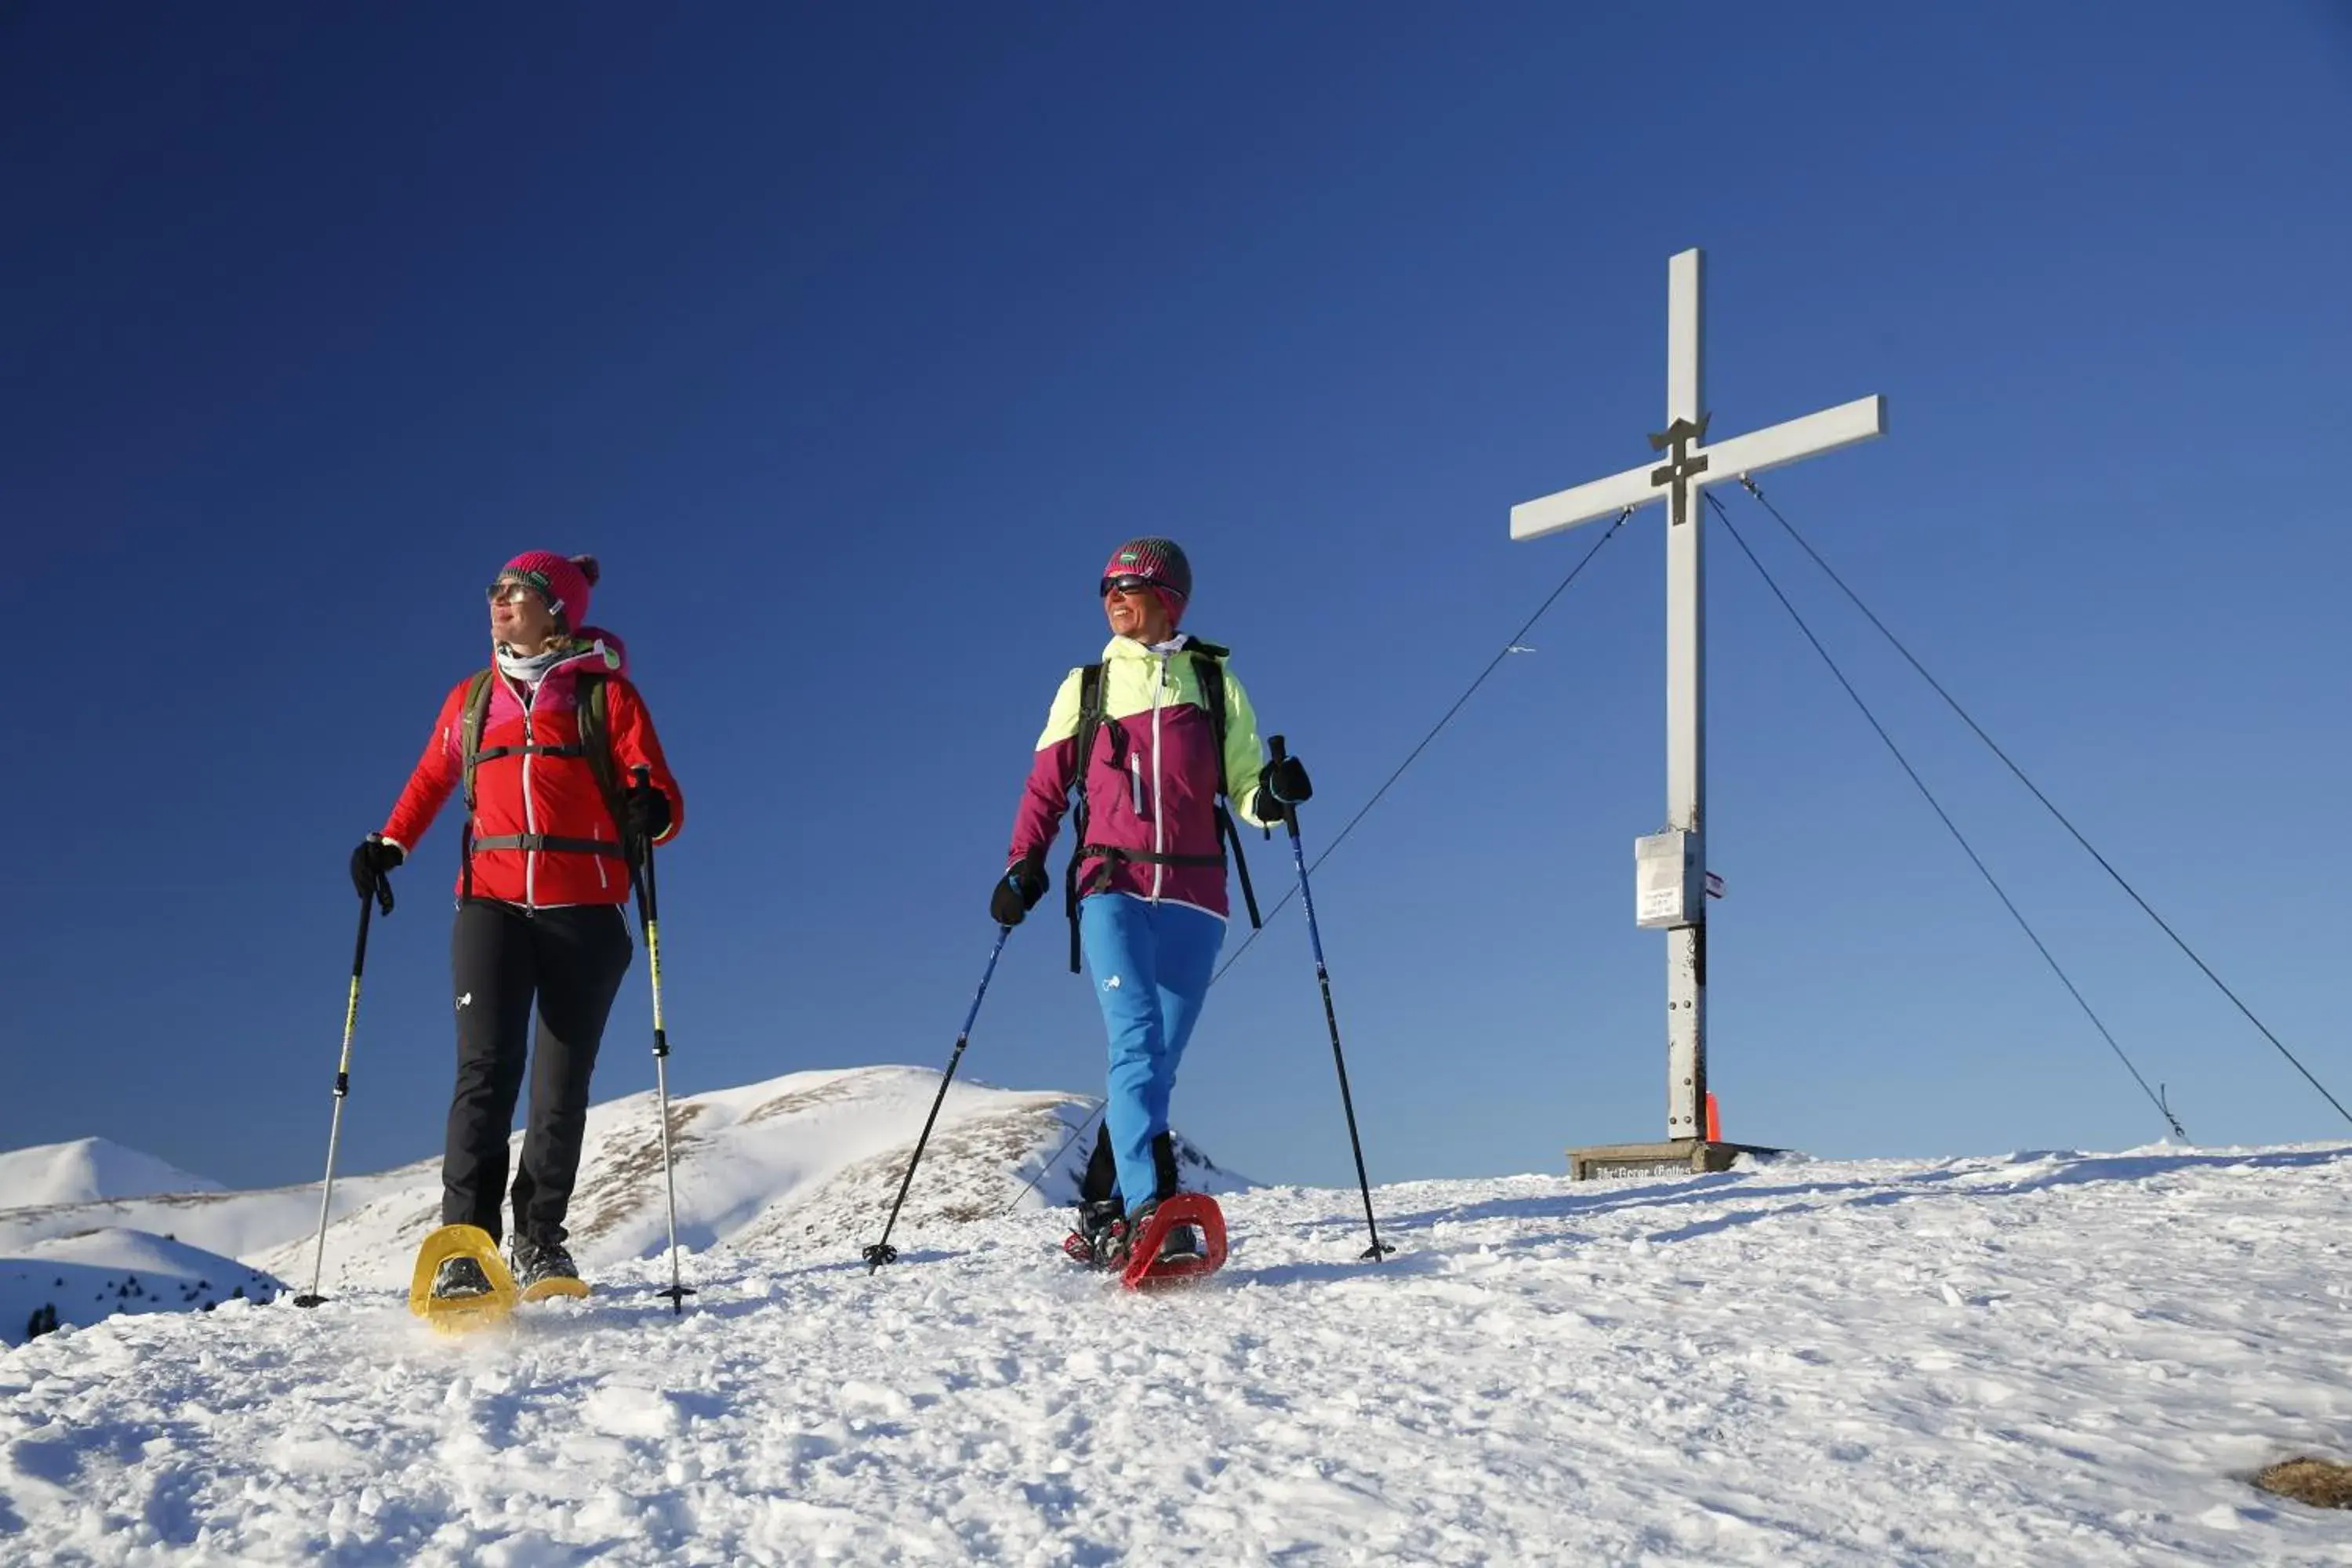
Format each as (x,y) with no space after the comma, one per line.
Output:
(1178,1240)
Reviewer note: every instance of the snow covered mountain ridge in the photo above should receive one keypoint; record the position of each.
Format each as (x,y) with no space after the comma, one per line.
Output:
(806,1162)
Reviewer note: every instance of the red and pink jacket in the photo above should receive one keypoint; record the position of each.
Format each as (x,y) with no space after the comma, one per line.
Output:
(533,792)
(1151,779)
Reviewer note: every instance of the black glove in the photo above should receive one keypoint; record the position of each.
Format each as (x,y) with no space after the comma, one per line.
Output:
(1283,784)
(1017,892)
(645,812)
(373,861)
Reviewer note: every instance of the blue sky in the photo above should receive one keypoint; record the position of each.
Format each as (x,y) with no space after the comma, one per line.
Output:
(852,339)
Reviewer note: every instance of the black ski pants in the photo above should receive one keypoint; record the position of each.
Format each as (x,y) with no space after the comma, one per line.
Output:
(570,960)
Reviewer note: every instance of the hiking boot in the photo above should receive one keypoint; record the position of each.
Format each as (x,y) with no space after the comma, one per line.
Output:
(1183,1242)
(459,1278)
(533,1261)
(1180,1245)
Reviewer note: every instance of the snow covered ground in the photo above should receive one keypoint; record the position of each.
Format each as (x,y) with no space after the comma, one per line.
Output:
(2044,1359)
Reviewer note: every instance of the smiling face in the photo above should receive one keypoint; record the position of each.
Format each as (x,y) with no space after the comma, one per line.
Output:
(519,618)
(1135,609)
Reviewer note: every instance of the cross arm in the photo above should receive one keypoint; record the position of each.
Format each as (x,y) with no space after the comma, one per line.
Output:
(1566,508)
(1758,450)
(1753,453)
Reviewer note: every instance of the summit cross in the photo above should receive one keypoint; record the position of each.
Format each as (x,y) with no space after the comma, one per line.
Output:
(1672,880)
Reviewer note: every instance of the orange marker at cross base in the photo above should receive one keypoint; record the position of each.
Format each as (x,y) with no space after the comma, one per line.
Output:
(1714,1120)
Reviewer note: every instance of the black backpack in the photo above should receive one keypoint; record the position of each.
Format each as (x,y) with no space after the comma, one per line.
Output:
(1208,667)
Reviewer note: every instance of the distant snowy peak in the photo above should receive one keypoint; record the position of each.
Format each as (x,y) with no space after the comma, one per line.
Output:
(89,1170)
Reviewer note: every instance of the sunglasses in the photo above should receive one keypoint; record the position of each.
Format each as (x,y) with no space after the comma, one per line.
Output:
(1127,584)
(511,591)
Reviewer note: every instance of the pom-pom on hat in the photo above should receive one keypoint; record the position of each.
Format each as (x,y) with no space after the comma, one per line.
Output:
(563,581)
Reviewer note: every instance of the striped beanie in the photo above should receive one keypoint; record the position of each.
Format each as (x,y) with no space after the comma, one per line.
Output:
(563,581)
(1159,561)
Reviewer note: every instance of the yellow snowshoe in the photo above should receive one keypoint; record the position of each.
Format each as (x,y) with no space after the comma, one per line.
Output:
(460,1283)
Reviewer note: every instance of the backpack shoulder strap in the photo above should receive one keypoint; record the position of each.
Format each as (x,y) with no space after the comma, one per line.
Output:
(473,713)
(1208,664)
(1090,719)
(596,745)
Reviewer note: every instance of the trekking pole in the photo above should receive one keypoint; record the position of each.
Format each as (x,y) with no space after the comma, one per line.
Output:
(1375,1252)
(649,921)
(381,893)
(882,1252)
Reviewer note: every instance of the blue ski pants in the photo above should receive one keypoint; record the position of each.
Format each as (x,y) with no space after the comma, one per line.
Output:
(1151,965)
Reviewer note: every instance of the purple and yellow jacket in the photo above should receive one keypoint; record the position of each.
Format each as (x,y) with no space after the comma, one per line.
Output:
(1151,782)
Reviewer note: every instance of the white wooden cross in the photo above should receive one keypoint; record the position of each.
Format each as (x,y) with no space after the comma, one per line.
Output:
(1674,864)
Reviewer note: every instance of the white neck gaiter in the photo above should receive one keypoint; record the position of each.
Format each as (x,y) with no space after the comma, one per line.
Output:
(515,667)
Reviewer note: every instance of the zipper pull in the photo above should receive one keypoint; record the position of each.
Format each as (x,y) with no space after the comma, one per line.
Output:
(1135,780)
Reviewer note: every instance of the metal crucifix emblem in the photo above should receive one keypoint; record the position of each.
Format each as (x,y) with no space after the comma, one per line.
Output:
(1683,468)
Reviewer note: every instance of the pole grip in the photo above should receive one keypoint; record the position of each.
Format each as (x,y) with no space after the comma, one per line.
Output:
(640,849)
(641,859)
(1277,753)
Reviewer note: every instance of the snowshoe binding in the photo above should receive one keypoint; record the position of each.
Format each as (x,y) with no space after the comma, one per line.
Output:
(1101,1239)
(459,1278)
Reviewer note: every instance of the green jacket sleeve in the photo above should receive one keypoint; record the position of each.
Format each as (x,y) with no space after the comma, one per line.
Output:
(1244,759)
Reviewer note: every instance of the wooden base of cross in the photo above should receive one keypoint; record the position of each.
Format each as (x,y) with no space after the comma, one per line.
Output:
(1674,1157)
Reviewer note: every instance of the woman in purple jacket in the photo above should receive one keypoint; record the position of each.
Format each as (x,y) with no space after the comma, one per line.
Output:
(1149,877)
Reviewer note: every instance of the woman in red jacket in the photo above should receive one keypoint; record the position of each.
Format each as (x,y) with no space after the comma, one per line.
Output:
(543,877)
